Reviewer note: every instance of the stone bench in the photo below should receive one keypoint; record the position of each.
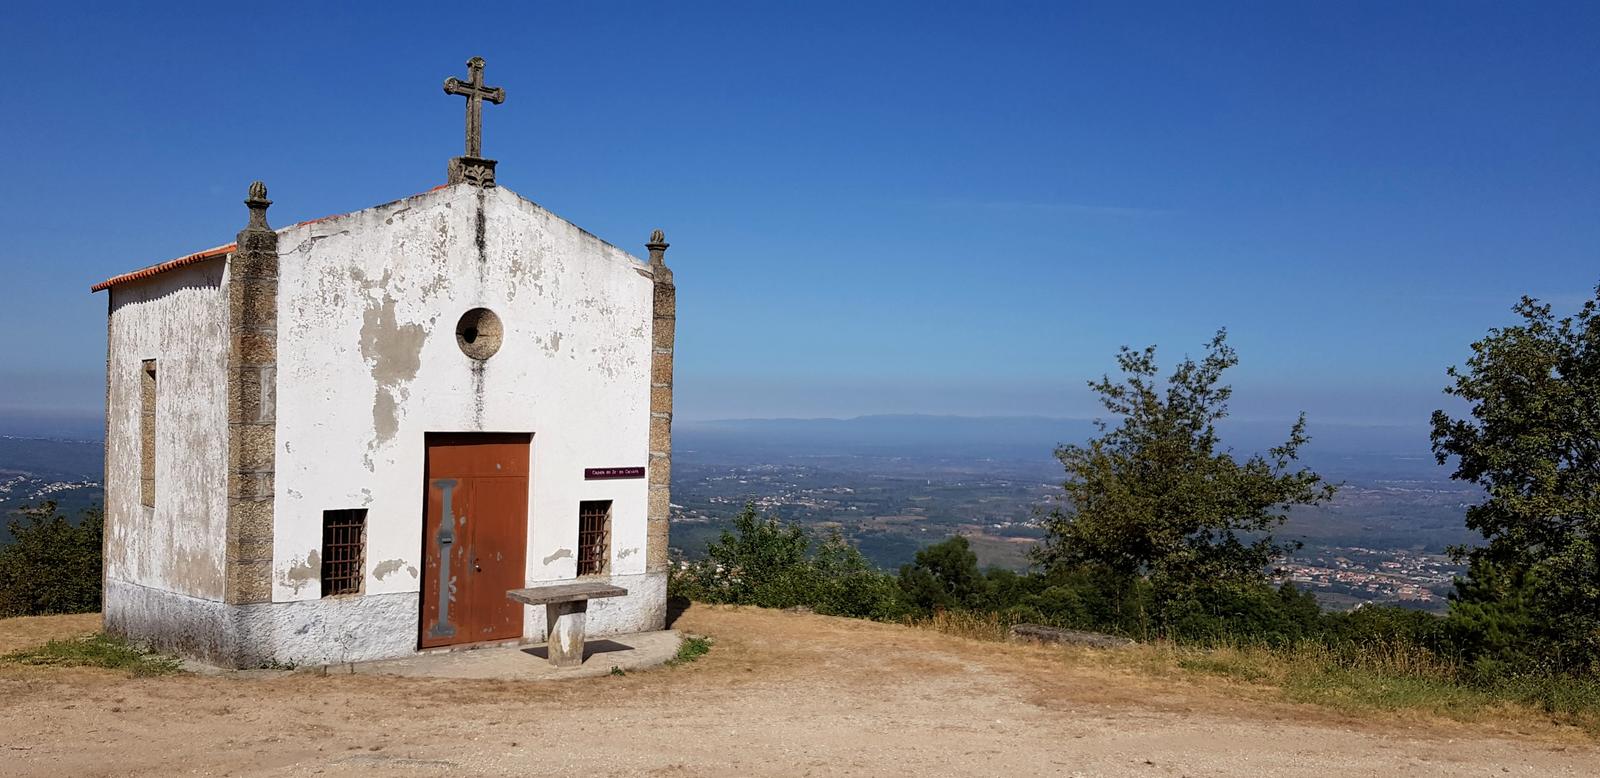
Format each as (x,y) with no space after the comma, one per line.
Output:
(566,606)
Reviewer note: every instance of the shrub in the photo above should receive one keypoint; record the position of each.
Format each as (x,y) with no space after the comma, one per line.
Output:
(943,576)
(772,565)
(51,565)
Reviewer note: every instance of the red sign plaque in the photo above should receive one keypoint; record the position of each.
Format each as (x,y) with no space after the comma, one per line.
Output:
(609,473)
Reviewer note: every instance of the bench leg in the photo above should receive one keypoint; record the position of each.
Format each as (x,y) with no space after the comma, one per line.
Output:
(564,623)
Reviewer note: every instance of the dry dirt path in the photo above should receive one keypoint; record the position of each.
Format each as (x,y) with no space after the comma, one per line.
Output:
(780,694)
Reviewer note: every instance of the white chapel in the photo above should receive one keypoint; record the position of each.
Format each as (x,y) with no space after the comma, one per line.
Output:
(436,423)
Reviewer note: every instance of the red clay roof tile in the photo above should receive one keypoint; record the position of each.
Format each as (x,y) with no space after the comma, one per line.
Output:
(198,257)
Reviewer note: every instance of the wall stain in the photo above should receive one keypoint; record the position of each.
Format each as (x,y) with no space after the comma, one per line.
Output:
(304,573)
(197,572)
(565,553)
(627,552)
(393,353)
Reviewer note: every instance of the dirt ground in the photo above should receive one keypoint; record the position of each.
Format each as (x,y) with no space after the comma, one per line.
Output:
(779,694)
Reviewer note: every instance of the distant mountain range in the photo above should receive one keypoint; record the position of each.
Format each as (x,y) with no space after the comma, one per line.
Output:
(1028,438)
(1019,438)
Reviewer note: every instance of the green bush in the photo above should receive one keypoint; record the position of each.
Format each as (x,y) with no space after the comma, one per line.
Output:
(766,563)
(52,565)
(945,576)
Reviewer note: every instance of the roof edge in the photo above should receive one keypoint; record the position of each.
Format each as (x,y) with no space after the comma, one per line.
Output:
(223,250)
(199,256)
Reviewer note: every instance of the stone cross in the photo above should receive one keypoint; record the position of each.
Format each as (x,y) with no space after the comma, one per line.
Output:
(476,93)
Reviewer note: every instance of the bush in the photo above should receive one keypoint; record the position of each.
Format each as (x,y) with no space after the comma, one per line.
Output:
(945,576)
(51,565)
(772,565)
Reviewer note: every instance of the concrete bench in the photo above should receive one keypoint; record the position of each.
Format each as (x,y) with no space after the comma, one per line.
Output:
(566,608)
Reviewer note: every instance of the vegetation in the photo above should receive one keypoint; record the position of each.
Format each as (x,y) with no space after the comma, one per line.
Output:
(693,647)
(52,565)
(98,650)
(1154,501)
(766,563)
(1166,537)
(1531,600)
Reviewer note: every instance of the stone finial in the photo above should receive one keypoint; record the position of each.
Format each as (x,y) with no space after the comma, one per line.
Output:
(658,248)
(258,202)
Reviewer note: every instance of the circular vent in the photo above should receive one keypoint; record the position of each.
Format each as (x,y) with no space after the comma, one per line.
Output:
(478,333)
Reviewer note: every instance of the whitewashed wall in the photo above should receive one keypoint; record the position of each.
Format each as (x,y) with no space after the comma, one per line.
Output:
(179,319)
(368,363)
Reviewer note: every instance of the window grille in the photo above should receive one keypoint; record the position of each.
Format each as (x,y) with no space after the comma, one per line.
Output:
(344,540)
(594,536)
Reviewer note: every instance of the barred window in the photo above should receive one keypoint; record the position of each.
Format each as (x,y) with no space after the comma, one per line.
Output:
(344,540)
(594,537)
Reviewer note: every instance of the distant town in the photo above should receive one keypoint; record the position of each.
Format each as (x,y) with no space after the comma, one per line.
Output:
(1383,539)
(1347,576)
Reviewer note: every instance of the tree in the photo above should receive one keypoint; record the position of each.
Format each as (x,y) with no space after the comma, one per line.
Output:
(1532,441)
(1157,497)
(51,565)
(944,575)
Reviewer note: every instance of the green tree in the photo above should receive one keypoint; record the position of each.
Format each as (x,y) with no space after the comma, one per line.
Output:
(52,565)
(761,561)
(944,575)
(1532,441)
(1157,496)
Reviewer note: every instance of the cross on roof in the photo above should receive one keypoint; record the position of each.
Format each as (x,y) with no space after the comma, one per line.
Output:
(476,93)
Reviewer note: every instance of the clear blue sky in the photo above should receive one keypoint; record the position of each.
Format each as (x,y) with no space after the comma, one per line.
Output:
(874,207)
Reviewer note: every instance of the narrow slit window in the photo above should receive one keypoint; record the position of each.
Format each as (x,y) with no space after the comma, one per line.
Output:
(344,540)
(147,434)
(594,537)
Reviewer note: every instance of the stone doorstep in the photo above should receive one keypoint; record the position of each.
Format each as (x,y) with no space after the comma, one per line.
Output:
(525,662)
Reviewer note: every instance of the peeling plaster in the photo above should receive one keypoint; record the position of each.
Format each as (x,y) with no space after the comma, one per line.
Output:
(394,353)
(304,573)
(565,553)
(388,566)
(627,552)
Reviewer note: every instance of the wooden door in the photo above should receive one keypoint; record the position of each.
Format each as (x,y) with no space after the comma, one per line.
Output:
(474,537)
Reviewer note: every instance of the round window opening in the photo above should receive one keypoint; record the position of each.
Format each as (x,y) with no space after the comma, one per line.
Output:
(478,333)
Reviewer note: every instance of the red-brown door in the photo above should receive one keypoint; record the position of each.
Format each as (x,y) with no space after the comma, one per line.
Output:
(474,537)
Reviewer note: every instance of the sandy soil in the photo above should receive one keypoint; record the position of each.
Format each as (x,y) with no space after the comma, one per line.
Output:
(780,694)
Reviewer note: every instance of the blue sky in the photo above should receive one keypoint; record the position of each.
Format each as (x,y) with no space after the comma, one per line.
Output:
(874,207)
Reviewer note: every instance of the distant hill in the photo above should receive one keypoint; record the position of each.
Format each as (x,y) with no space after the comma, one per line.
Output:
(1031,438)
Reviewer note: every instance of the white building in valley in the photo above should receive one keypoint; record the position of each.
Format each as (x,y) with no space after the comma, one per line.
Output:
(347,439)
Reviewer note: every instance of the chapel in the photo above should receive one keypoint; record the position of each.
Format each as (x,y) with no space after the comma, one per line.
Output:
(437,423)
